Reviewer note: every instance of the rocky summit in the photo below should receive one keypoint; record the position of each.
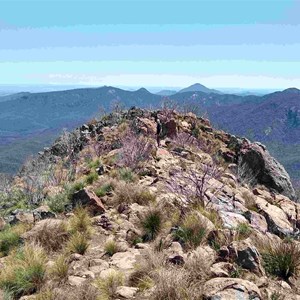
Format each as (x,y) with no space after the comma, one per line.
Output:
(150,205)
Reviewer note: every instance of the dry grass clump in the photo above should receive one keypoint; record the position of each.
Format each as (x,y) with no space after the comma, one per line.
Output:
(281,259)
(144,270)
(78,243)
(172,284)
(24,271)
(108,285)
(130,193)
(176,283)
(59,271)
(111,247)
(80,221)
(50,234)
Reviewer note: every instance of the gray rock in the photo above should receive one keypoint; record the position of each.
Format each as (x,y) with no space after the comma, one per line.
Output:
(267,169)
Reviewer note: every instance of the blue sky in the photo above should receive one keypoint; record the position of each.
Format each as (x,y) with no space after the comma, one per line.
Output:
(246,44)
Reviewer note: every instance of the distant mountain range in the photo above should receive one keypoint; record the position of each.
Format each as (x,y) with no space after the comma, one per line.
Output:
(29,121)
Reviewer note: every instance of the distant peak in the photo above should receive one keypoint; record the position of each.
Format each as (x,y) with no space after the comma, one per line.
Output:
(143,90)
(198,87)
(291,91)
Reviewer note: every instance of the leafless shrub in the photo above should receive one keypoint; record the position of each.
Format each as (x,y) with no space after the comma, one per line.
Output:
(36,175)
(192,185)
(186,140)
(168,109)
(136,149)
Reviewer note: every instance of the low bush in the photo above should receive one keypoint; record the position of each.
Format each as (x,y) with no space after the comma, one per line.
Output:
(282,259)
(108,285)
(152,224)
(78,243)
(58,202)
(24,271)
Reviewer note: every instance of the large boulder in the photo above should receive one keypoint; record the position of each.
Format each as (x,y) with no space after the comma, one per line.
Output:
(268,170)
(230,289)
(88,199)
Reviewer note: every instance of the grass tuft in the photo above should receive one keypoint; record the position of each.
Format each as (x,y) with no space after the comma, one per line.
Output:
(152,224)
(10,238)
(111,247)
(80,221)
(282,260)
(78,243)
(108,285)
(59,271)
(24,271)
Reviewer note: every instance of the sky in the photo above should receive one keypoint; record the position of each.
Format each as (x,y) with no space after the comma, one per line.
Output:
(242,44)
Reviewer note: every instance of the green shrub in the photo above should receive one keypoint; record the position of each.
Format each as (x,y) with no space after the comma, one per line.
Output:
(191,231)
(91,178)
(152,224)
(24,271)
(282,260)
(10,238)
(78,243)
(111,247)
(104,189)
(58,202)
